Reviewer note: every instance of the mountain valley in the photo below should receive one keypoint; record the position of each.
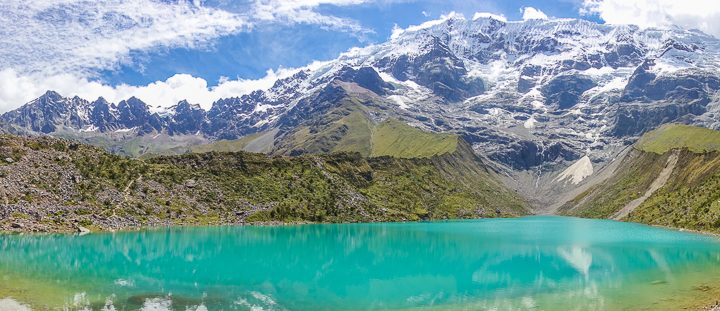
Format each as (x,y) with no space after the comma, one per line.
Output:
(551,108)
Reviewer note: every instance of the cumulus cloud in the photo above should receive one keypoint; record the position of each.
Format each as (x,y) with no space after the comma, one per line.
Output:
(17,89)
(691,14)
(533,13)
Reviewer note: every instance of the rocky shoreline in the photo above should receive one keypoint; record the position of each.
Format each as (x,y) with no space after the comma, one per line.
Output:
(713,307)
(28,227)
(30,219)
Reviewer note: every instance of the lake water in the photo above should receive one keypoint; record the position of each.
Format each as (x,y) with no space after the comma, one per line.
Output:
(538,263)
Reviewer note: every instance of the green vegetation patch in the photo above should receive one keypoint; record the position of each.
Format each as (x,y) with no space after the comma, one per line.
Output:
(397,139)
(690,199)
(354,126)
(357,134)
(677,136)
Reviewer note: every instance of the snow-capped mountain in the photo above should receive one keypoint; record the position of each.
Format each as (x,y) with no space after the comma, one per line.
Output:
(531,96)
(51,112)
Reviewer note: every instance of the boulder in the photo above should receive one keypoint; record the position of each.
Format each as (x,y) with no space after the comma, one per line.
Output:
(82,230)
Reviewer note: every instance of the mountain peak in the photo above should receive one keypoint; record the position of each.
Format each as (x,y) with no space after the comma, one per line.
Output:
(524,93)
(101,100)
(50,94)
(184,106)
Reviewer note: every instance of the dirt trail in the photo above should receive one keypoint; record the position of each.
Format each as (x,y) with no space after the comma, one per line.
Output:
(656,184)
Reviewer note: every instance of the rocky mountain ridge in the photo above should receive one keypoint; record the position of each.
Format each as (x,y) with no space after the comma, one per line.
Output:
(532,97)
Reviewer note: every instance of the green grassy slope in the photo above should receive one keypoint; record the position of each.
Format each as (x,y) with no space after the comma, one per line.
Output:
(53,184)
(343,129)
(352,132)
(677,136)
(397,139)
(348,128)
(690,198)
(636,172)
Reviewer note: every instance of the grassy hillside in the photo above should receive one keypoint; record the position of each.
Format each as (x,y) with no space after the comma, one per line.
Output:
(50,184)
(343,129)
(397,139)
(349,128)
(677,136)
(690,198)
(635,174)
(352,132)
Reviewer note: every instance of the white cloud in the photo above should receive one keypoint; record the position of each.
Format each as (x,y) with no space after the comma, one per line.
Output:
(479,15)
(61,44)
(60,36)
(533,13)
(691,14)
(397,31)
(305,11)
(84,36)
(17,89)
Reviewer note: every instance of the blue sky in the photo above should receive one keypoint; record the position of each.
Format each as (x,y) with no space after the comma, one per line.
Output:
(163,51)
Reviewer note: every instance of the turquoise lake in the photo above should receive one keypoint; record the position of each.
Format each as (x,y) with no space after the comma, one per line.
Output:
(531,263)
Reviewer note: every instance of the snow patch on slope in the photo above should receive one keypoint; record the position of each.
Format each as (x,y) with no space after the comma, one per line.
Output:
(399,100)
(530,123)
(127,130)
(577,172)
